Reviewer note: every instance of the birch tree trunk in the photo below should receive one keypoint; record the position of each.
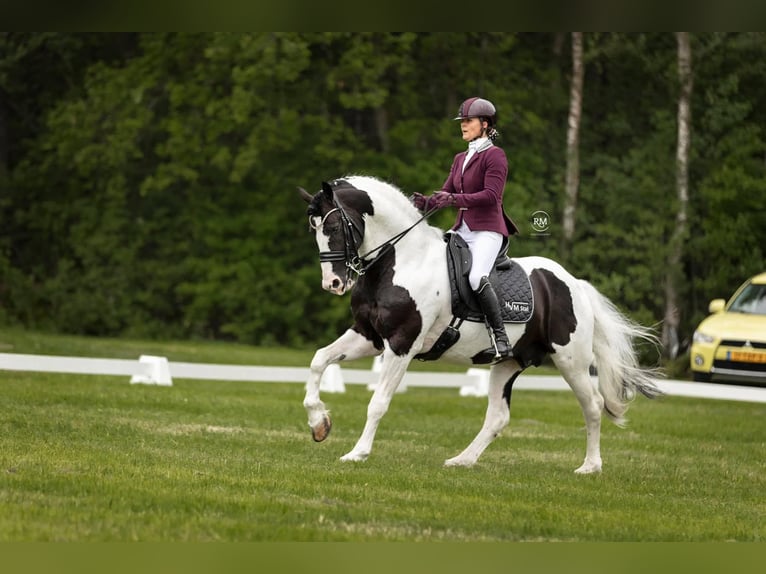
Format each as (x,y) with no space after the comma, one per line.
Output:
(573,143)
(674,272)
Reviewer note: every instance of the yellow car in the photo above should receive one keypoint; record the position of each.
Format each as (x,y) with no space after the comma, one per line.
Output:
(730,344)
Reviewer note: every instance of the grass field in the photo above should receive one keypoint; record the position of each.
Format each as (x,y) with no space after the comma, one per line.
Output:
(89,458)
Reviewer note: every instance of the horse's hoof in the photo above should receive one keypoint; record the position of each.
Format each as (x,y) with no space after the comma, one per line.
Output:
(457,462)
(320,432)
(588,468)
(351,457)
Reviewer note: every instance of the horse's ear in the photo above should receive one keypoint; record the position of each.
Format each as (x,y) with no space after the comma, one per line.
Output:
(305,195)
(327,190)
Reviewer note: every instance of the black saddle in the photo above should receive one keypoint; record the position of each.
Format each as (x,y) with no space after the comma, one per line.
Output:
(510,281)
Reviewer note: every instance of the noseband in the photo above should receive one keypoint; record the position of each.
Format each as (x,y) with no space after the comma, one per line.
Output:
(352,239)
(350,253)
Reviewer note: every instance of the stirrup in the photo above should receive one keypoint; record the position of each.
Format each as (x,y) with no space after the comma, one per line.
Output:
(494,351)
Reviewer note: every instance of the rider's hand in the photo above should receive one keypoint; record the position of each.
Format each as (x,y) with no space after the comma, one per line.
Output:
(441,199)
(419,201)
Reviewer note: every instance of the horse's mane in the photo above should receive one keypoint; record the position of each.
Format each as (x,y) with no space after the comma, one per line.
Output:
(377,187)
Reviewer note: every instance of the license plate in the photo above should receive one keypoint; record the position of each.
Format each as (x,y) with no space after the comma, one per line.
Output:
(746,357)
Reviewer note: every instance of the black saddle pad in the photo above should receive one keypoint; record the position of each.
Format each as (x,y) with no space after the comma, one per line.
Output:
(510,281)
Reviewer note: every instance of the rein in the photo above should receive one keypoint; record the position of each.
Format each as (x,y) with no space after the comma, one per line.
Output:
(352,238)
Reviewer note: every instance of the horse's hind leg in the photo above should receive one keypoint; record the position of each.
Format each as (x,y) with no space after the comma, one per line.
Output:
(350,345)
(498,413)
(576,373)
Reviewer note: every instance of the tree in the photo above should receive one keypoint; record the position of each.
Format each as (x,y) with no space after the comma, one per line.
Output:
(573,142)
(150,185)
(674,273)
(728,171)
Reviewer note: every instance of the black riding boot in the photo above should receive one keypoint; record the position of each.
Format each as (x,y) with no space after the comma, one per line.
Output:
(491,308)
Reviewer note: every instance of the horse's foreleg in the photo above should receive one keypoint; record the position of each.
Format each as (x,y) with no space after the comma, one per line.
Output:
(391,375)
(497,417)
(350,345)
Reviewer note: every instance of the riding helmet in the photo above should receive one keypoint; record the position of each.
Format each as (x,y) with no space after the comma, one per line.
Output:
(476,108)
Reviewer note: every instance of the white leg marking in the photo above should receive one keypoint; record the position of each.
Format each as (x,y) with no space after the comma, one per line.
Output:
(350,345)
(391,375)
(496,419)
(592,404)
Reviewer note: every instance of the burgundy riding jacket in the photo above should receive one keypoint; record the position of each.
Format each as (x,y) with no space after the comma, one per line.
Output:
(479,191)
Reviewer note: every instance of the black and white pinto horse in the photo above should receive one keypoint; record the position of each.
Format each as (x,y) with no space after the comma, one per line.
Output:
(371,238)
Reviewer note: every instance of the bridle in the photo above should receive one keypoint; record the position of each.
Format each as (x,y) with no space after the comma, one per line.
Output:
(352,239)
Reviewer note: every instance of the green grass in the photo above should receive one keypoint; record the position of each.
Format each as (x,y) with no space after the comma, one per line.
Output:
(90,458)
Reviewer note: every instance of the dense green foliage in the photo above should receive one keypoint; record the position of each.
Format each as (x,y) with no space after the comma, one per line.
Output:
(148,180)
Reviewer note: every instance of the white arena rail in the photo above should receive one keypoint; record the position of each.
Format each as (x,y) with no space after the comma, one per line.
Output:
(149,369)
(78,365)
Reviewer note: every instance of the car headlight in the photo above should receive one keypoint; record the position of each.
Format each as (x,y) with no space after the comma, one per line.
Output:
(700,337)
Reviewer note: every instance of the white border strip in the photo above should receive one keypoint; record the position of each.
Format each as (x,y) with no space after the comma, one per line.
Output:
(209,371)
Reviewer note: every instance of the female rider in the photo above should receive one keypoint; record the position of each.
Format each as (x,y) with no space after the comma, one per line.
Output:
(475,186)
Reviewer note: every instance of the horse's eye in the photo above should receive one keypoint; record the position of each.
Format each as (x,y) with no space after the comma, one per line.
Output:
(331,229)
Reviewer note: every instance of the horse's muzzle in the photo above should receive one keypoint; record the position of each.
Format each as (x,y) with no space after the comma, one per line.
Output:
(336,285)
(333,286)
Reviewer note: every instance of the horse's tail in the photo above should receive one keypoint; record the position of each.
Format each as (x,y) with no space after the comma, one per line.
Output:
(619,374)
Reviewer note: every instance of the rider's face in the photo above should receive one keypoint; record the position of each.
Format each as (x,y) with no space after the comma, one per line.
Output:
(472,128)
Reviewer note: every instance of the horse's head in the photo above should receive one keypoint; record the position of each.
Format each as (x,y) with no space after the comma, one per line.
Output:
(336,219)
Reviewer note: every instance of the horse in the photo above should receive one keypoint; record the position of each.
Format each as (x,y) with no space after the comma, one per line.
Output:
(374,243)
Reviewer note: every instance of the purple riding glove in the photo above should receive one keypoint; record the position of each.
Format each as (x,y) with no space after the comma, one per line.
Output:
(419,201)
(441,199)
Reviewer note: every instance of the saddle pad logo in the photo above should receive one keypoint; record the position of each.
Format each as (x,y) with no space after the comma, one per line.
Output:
(516,306)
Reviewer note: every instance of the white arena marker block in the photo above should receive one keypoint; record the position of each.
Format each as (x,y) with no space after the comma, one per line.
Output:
(157,373)
(480,386)
(332,380)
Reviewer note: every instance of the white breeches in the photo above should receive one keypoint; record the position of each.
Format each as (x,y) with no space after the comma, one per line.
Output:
(484,246)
